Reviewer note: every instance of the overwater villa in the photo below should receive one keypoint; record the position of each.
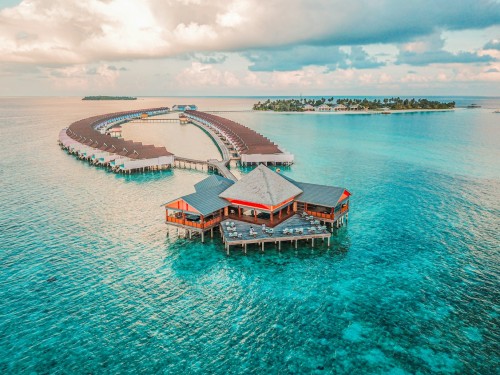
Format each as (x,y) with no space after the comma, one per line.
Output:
(323,108)
(98,140)
(264,206)
(184,107)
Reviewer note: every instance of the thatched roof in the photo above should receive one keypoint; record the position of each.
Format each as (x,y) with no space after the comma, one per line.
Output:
(263,186)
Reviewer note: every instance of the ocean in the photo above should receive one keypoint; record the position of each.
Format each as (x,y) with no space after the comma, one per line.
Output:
(90,282)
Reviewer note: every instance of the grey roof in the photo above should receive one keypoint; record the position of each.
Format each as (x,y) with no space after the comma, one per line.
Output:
(206,198)
(322,195)
(206,201)
(213,181)
(319,194)
(262,185)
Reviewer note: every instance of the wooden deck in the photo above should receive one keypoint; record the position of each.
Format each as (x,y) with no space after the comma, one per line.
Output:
(277,237)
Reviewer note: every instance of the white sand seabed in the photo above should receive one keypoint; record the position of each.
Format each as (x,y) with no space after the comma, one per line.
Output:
(187,141)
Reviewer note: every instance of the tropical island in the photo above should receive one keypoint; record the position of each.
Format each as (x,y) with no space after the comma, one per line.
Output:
(350,104)
(102,97)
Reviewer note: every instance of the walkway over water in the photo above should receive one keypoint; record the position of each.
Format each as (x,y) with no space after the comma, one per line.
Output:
(209,165)
(244,143)
(89,140)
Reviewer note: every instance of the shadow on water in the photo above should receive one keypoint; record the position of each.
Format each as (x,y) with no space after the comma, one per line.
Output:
(144,177)
(249,168)
(192,259)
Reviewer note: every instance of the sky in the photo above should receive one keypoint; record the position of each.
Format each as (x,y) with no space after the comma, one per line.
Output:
(249,47)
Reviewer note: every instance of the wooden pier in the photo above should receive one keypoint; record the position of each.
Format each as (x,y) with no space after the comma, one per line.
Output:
(296,228)
(262,207)
(242,143)
(211,165)
(155,120)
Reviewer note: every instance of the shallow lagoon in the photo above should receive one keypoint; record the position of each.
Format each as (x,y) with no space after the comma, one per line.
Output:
(410,285)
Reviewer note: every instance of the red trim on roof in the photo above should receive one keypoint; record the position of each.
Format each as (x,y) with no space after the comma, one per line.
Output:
(344,195)
(249,204)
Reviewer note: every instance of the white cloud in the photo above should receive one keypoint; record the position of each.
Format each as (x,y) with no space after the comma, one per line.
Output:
(248,46)
(76,31)
(205,75)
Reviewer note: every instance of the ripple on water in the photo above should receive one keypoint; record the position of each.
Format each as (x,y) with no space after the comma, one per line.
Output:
(90,283)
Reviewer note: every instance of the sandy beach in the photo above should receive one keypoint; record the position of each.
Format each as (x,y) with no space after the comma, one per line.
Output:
(363,112)
(182,140)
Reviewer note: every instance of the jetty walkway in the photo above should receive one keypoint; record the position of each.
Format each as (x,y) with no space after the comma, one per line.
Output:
(90,139)
(96,139)
(244,144)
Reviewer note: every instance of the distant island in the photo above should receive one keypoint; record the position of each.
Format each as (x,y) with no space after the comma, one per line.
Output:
(346,104)
(101,97)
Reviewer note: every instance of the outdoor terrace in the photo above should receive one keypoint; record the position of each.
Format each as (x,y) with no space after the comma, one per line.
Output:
(295,228)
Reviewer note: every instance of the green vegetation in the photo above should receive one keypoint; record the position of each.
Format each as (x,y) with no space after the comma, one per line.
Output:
(395,104)
(101,97)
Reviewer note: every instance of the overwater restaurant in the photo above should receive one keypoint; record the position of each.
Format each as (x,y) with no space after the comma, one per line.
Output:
(261,198)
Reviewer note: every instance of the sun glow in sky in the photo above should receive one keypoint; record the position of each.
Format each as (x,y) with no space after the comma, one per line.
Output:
(249,47)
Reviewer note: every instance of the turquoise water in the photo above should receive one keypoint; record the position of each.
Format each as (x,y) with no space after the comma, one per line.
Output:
(90,283)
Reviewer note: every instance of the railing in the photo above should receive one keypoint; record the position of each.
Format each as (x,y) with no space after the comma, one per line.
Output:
(321,215)
(194,224)
(260,221)
(328,216)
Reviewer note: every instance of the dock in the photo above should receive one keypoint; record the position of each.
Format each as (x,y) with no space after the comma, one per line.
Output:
(243,143)
(156,120)
(98,140)
(90,139)
(296,228)
(211,165)
(262,207)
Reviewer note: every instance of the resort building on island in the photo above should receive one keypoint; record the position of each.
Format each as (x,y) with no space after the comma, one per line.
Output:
(264,206)
(340,107)
(308,107)
(357,107)
(184,107)
(323,108)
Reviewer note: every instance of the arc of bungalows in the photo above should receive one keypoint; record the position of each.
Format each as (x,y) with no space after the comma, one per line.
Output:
(90,139)
(246,145)
(95,139)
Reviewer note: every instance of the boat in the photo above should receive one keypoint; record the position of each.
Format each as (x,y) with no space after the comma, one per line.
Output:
(497,111)
(473,106)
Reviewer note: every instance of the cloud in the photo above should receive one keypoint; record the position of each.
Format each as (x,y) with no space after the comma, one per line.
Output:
(430,50)
(294,58)
(492,70)
(114,68)
(206,75)
(204,57)
(298,57)
(441,57)
(113,30)
(493,44)
(361,60)
(82,77)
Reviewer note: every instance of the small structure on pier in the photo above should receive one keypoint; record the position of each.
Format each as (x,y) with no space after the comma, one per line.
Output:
(202,210)
(184,107)
(245,144)
(183,118)
(97,140)
(280,208)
